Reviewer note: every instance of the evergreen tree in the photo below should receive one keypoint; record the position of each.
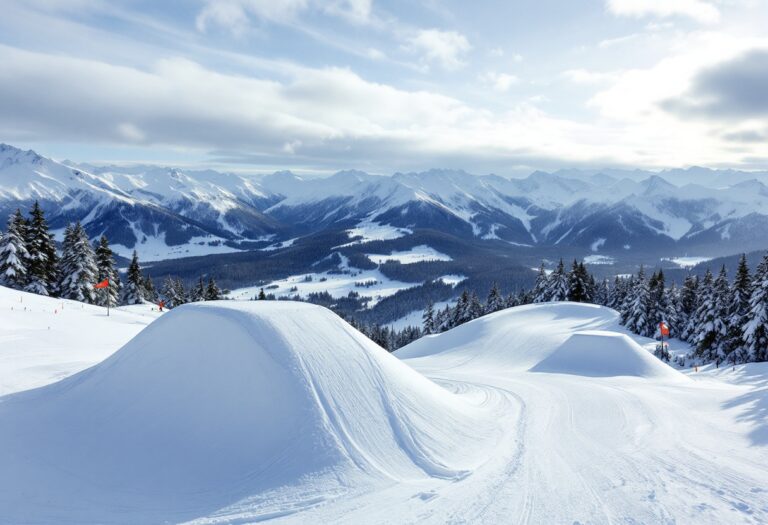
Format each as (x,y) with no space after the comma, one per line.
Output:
(688,306)
(709,317)
(42,254)
(198,292)
(105,267)
(755,328)
(541,288)
(738,308)
(13,253)
(212,292)
(428,319)
(475,307)
(77,269)
(495,301)
(262,296)
(461,310)
(672,310)
(637,312)
(603,293)
(173,292)
(557,288)
(578,283)
(148,288)
(133,292)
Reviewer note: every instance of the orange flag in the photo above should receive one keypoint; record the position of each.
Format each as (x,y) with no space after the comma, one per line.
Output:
(102,284)
(664,328)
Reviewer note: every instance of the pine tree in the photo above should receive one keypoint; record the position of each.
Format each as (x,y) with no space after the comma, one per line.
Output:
(688,306)
(755,328)
(212,292)
(557,288)
(105,267)
(637,312)
(541,288)
(170,293)
(77,269)
(578,283)
(738,308)
(475,307)
(148,288)
(262,295)
(672,310)
(495,301)
(42,254)
(461,310)
(709,316)
(198,292)
(603,292)
(428,319)
(133,292)
(13,253)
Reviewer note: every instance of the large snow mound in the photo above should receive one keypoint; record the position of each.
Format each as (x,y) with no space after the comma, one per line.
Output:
(535,336)
(215,402)
(599,353)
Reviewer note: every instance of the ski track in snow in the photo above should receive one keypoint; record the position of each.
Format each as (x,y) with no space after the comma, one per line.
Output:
(556,448)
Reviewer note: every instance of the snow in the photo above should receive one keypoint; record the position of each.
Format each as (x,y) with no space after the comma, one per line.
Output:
(44,339)
(421,253)
(371,231)
(599,243)
(599,259)
(687,262)
(599,353)
(336,284)
(156,249)
(241,412)
(185,420)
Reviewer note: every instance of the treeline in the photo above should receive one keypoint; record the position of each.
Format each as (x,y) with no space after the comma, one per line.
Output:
(30,261)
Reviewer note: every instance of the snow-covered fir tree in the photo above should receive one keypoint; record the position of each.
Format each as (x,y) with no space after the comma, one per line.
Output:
(578,283)
(212,292)
(541,288)
(557,284)
(133,291)
(637,319)
(13,253)
(671,312)
(198,292)
(428,319)
(688,306)
(42,254)
(475,307)
(105,267)
(495,301)
(755,328)
(148,288)
(738,308)
(77,270)
(709,318)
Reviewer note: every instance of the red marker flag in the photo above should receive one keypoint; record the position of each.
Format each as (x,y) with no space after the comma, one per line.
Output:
(664,329)
(102,284)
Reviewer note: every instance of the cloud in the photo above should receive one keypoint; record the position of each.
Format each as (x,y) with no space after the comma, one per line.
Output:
(732,89)
(747,136)
(235,15)
(500,82)
(446,48)
(698,10)
(583,76)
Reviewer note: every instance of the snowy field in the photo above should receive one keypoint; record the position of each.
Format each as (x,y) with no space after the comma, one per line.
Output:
(687,262)
(235,412)
(421,253)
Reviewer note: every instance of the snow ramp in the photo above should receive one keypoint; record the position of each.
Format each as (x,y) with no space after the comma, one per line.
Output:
(216,402)
(605,354)
(574,338)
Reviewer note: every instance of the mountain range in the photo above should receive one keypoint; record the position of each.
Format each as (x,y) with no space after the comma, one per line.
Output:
(168,212)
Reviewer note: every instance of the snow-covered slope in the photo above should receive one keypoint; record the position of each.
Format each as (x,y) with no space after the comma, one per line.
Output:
(234,412)
(44,339)
(218,401)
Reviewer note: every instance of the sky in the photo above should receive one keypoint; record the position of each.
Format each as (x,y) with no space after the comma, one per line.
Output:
(401,85)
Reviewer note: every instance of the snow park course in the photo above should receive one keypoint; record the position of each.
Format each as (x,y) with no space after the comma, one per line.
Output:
(245,412)
(218,401)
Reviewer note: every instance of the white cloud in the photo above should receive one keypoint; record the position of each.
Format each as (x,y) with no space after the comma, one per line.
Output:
(499,81)
(446,48)
(357,11)
(584,76)
(698,10)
